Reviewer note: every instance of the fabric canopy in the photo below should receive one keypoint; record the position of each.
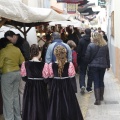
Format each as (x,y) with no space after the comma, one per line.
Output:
(17,11)
(89,11)
(83,3)
(74,23)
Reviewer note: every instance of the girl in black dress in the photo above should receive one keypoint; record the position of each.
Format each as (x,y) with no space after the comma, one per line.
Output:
(35,98)
(63,104)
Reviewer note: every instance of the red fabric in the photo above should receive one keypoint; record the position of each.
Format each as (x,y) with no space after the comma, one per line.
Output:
(74,59)
(71,1)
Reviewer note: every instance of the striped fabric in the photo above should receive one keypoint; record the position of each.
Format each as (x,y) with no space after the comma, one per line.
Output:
(71,1)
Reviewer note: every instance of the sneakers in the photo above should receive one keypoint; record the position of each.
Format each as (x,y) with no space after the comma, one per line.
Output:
(82,90)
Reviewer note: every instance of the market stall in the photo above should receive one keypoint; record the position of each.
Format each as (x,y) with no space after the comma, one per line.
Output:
(20,15)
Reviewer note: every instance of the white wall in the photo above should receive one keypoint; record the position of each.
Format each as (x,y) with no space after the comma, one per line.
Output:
(55,4)
(111,40)
(117,23)
(114,42)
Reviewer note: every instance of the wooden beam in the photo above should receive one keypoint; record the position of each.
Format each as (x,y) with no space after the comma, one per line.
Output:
(19,29)
(28,29)
(24,33)
(2,22)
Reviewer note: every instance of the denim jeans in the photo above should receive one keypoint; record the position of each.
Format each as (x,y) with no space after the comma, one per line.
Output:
(98,76)
(90,79)
(83,69)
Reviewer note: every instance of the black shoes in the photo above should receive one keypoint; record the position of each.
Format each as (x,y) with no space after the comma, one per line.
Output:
(89,90)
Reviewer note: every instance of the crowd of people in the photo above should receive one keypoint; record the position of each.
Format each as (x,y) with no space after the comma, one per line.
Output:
(39,83)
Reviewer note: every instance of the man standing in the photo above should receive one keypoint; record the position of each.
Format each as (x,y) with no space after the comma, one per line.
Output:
(19,42)
(50,51)
(82,46)
(24,47)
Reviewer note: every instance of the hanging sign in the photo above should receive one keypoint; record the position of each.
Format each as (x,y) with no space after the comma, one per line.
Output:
(101,3)
(71,8)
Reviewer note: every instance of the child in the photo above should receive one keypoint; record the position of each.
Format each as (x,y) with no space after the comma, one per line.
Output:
(72,45)
(63,104)
(35,97)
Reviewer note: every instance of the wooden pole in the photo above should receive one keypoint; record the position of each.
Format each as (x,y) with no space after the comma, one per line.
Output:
(24,30)
(2,21)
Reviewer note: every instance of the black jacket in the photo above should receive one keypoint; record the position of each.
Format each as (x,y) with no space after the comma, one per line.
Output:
(82,46)
(24,47)
(97,56)
(76,37)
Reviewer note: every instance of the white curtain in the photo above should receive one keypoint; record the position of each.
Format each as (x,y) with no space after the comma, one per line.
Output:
(31,3)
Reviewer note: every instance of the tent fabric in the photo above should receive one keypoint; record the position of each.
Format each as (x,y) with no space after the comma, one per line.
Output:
(57,10)
(89,11)
(17,11)
(74,23)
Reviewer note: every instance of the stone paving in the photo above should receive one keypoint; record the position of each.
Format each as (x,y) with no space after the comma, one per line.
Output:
(110,107)
(82,99)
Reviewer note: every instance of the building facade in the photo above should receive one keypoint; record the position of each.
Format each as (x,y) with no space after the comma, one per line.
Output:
(37,3)
(113,33)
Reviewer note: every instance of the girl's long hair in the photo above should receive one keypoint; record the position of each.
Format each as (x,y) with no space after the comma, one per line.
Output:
(98,39)
(60,53)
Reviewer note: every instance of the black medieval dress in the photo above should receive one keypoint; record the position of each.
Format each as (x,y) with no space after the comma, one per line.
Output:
(63,104)
(35,99)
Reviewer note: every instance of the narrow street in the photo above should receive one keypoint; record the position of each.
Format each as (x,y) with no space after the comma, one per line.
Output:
(109,108)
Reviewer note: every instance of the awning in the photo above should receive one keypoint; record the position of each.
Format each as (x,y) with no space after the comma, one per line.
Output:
(70,1)
(57,10)
(17,11)
(74,23)
(83,3)
(89,11)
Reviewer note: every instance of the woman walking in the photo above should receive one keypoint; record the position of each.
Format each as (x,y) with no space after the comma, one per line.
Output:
(97,55)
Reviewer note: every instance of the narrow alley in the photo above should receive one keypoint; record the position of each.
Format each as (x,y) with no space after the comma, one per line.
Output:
(36,22)
(109,108)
